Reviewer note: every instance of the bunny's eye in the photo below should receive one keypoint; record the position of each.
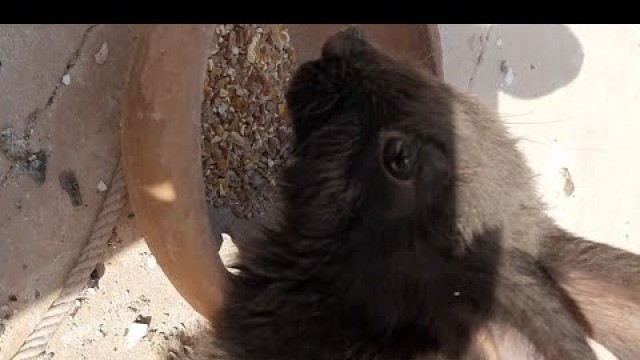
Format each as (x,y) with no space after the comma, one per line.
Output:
(398,157)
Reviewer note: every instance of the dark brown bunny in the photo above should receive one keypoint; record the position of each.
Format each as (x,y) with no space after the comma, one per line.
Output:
(412,230)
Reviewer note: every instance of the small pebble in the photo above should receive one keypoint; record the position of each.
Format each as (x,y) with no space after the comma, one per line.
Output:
(102,187)
(66,79)
(504,67)
(151,262)
(509,77)
(102,54)
(136,332)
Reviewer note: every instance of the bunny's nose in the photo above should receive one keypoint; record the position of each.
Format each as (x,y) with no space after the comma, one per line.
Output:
(344,42)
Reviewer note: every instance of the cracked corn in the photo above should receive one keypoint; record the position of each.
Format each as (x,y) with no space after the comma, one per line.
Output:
(245,131)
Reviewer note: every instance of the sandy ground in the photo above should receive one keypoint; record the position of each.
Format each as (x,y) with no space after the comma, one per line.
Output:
(569,92)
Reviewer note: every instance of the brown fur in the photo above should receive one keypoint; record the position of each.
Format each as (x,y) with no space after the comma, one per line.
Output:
(460,262)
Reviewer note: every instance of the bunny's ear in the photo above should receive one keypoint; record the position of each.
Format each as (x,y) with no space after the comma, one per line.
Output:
(311,96)
(604,282)
(318,86)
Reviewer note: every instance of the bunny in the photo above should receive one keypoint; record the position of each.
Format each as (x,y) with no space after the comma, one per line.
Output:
(411,230)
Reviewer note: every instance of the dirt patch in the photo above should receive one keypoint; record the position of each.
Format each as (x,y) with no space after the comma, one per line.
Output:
(69,183)
(16,149)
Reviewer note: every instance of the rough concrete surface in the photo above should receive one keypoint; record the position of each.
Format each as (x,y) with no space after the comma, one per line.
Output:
(569,92)
(574,104)
(41,232)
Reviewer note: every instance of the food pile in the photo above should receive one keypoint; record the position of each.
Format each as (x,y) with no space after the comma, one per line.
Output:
(245,131)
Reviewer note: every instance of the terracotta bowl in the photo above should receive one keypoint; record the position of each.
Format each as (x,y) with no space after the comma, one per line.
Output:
(161,141)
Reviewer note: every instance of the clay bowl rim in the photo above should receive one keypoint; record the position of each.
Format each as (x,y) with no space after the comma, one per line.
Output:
(161,156)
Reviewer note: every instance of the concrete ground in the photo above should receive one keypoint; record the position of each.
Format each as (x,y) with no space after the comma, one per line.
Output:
(569,92)
(573,101)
